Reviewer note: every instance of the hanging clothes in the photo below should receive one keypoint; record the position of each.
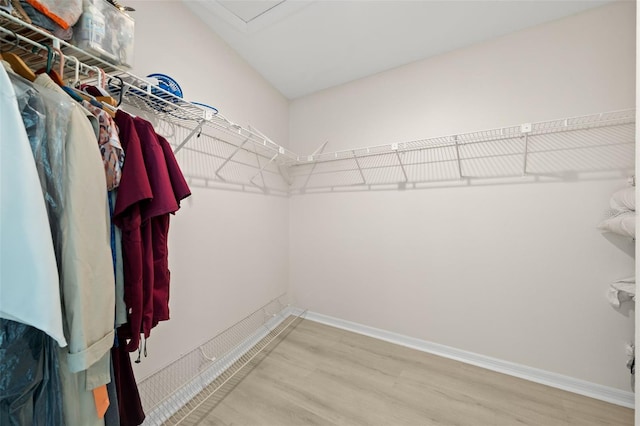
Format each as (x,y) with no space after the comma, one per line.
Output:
(121,307)
(129,403)
(113,159)
(67,183)
(30,310)
(110,146)
(45,121)
(26,248)
(146,198)
(160,230)
(154,219)
(134,190)
(29,378)
(86,268)
(112,416)
(151,189)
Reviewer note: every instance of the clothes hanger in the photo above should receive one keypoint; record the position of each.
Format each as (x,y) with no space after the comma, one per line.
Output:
(76,74)
(17,63)
(71,89)
(19,66)
(102,84)
(80,96)
(55,76)
(1,53)
(121,91)
(15,41)
(108,103)
(74,91)
(109,109)
(107,100)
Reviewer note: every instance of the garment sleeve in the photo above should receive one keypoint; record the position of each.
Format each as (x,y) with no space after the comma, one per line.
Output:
(178,183)
(163,199)
(134,184)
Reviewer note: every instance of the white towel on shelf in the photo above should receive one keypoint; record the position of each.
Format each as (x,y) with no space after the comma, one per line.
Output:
(624,200)
(621,291)
(621,223)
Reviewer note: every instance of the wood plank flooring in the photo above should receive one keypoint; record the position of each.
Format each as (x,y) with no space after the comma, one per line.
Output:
(320,375)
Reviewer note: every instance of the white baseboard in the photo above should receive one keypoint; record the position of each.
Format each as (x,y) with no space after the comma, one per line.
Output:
(593,390)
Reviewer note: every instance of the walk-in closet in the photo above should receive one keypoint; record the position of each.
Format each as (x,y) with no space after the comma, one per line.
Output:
(289,213)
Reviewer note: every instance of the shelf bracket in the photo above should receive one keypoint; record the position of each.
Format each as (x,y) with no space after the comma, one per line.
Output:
(320,149)
(526,129)
(264,167)
(404,172)
(526,152)
(455,139)
(195,131)
(255,151)
(224,163)
(355,158)
(310,158)
(285,175)
(306,182)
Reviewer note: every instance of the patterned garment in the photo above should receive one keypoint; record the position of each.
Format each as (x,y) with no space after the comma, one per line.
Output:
(110,147)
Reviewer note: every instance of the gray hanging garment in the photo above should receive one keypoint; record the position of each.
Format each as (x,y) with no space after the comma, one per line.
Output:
(29,377)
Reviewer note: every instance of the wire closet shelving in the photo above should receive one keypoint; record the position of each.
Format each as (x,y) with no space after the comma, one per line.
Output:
(239,150)
(216,152)
(556,149)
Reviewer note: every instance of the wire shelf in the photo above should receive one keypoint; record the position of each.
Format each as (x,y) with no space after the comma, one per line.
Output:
(31,42)
(594,143)
(210,160)
(180,388)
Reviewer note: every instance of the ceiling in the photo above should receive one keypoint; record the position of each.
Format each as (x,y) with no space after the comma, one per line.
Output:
(302,46)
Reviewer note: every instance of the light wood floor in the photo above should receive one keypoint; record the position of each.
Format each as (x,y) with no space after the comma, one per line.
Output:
(320,375)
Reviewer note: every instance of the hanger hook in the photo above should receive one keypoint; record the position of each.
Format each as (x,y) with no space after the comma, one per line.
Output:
(49,58)
(103,83)
(16,42)
(98,72)
(121,92)
(76,75)
(49,55)
(62,58)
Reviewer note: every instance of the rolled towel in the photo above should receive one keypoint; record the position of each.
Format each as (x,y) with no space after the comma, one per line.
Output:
(622,223)
(624,200)
(621,291)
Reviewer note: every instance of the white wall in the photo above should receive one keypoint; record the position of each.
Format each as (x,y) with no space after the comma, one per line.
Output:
(228,250)
(514,271)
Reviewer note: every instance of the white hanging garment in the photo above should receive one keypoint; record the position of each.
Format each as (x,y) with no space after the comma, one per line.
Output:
(29,285)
